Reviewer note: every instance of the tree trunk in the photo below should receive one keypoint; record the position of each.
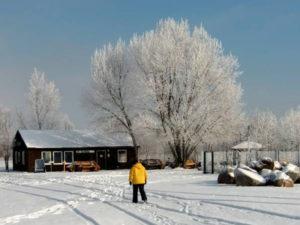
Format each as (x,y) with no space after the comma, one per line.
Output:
(134,142)
(135,145)
(6,159)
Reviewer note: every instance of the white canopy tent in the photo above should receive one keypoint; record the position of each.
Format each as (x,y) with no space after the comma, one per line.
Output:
(246,145)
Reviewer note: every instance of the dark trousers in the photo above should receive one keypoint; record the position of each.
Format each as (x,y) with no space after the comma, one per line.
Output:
(137,187)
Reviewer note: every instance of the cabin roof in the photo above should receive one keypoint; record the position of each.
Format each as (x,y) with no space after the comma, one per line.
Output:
(73,139)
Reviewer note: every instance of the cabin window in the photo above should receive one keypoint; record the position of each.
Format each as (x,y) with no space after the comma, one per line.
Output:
(46,156)
(85,155)
(57,157)
(69,157)
(122,156)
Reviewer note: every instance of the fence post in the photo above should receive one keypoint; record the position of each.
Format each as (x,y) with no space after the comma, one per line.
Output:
(234,157)
(298,154)
(212,162)
(204,162)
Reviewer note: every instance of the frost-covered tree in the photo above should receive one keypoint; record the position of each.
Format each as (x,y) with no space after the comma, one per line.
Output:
(6,135)
(290,129)
(44,100)
(110,96)
(43,105)
(192,82)
(265,129)
(66,123)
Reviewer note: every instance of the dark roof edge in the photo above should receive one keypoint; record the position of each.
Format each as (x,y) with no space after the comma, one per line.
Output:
(18,132)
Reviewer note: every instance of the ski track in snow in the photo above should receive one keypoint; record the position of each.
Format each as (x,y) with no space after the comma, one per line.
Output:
(111,190)
(158,218)
(107,189)
(56,209)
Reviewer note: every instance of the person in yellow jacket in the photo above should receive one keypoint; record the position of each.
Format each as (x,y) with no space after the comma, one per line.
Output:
(138,178)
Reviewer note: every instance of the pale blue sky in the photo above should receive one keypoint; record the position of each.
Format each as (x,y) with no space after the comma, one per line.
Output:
(59,37)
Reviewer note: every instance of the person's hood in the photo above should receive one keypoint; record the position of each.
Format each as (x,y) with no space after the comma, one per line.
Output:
(138,165)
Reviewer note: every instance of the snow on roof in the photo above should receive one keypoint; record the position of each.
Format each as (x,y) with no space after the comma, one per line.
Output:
(248,145)
(72,139)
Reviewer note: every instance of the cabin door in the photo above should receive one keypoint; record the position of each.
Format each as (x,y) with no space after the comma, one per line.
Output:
(101,159)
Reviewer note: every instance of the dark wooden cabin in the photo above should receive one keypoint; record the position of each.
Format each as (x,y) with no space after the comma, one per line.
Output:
(58,147)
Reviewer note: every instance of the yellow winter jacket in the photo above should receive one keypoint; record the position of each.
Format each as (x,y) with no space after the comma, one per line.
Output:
(138,174)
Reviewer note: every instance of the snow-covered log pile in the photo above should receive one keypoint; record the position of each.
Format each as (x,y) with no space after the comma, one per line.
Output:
(262,172)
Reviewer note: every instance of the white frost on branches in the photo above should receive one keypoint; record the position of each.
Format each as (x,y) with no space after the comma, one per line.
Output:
(290,129)
(265,129)
(175,81)
(193,83)
(44,100)
(42,111)
(111,96)
(6,134)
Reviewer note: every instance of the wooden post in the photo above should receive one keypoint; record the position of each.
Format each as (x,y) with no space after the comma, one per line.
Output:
(212,162)
(234,158)
(239,158)
(204,162)
(298,154)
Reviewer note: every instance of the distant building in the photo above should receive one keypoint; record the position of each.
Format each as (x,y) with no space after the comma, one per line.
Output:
(57,147)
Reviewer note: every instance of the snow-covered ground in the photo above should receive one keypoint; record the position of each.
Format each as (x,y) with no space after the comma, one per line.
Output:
(175,197)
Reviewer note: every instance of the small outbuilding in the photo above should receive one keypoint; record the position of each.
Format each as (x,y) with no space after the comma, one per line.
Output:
(58,148)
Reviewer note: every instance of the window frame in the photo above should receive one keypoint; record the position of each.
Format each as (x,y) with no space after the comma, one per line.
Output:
(61,157)
(126,153)
(85,151)
(65,157)
(47,163)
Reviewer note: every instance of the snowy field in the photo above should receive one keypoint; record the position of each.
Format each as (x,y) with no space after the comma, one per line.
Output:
(175,197)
